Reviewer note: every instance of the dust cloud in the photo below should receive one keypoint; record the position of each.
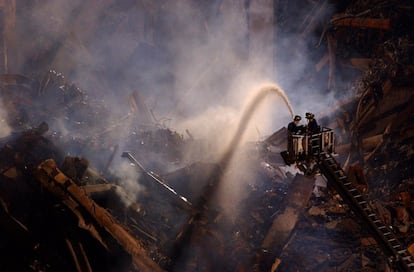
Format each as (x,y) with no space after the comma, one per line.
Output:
(192,63)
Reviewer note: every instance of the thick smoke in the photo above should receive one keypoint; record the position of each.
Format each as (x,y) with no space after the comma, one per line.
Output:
(191,61)
(186,57)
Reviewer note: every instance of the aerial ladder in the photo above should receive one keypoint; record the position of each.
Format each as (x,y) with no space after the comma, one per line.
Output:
(316,152)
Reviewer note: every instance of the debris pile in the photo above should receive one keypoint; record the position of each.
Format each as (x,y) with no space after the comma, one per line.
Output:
(371,46)
(68,203)
(78,207)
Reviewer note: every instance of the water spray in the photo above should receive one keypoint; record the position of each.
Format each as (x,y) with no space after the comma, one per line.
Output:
(215,177)
(247,115)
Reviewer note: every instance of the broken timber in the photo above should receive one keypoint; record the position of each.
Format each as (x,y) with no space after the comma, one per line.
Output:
(60,185)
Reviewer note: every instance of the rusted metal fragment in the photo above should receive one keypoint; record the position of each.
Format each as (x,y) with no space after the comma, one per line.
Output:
(58,184)
(346,20)
(411,249)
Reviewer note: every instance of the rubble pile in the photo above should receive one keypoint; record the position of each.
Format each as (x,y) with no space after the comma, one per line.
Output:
(58,218)
(83,188)
(370,44)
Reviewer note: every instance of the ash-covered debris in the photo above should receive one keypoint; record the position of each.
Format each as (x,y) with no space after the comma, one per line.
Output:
(73,139)
(70,121)
(85,126)
(365,53)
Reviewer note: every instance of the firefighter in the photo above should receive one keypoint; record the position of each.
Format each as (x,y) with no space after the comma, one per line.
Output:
(294,127)
(312,126)
(292,143)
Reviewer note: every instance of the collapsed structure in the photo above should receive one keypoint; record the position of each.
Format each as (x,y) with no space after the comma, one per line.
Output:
(64,207)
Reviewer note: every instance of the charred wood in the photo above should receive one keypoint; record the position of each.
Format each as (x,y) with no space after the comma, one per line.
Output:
(57,183)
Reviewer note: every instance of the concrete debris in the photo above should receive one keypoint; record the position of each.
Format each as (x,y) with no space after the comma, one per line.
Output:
(70,202)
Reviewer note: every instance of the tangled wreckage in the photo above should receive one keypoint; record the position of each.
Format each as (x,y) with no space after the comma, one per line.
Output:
(61,213)
(74,199)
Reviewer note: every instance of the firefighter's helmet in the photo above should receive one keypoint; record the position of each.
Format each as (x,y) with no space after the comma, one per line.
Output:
(309,115)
